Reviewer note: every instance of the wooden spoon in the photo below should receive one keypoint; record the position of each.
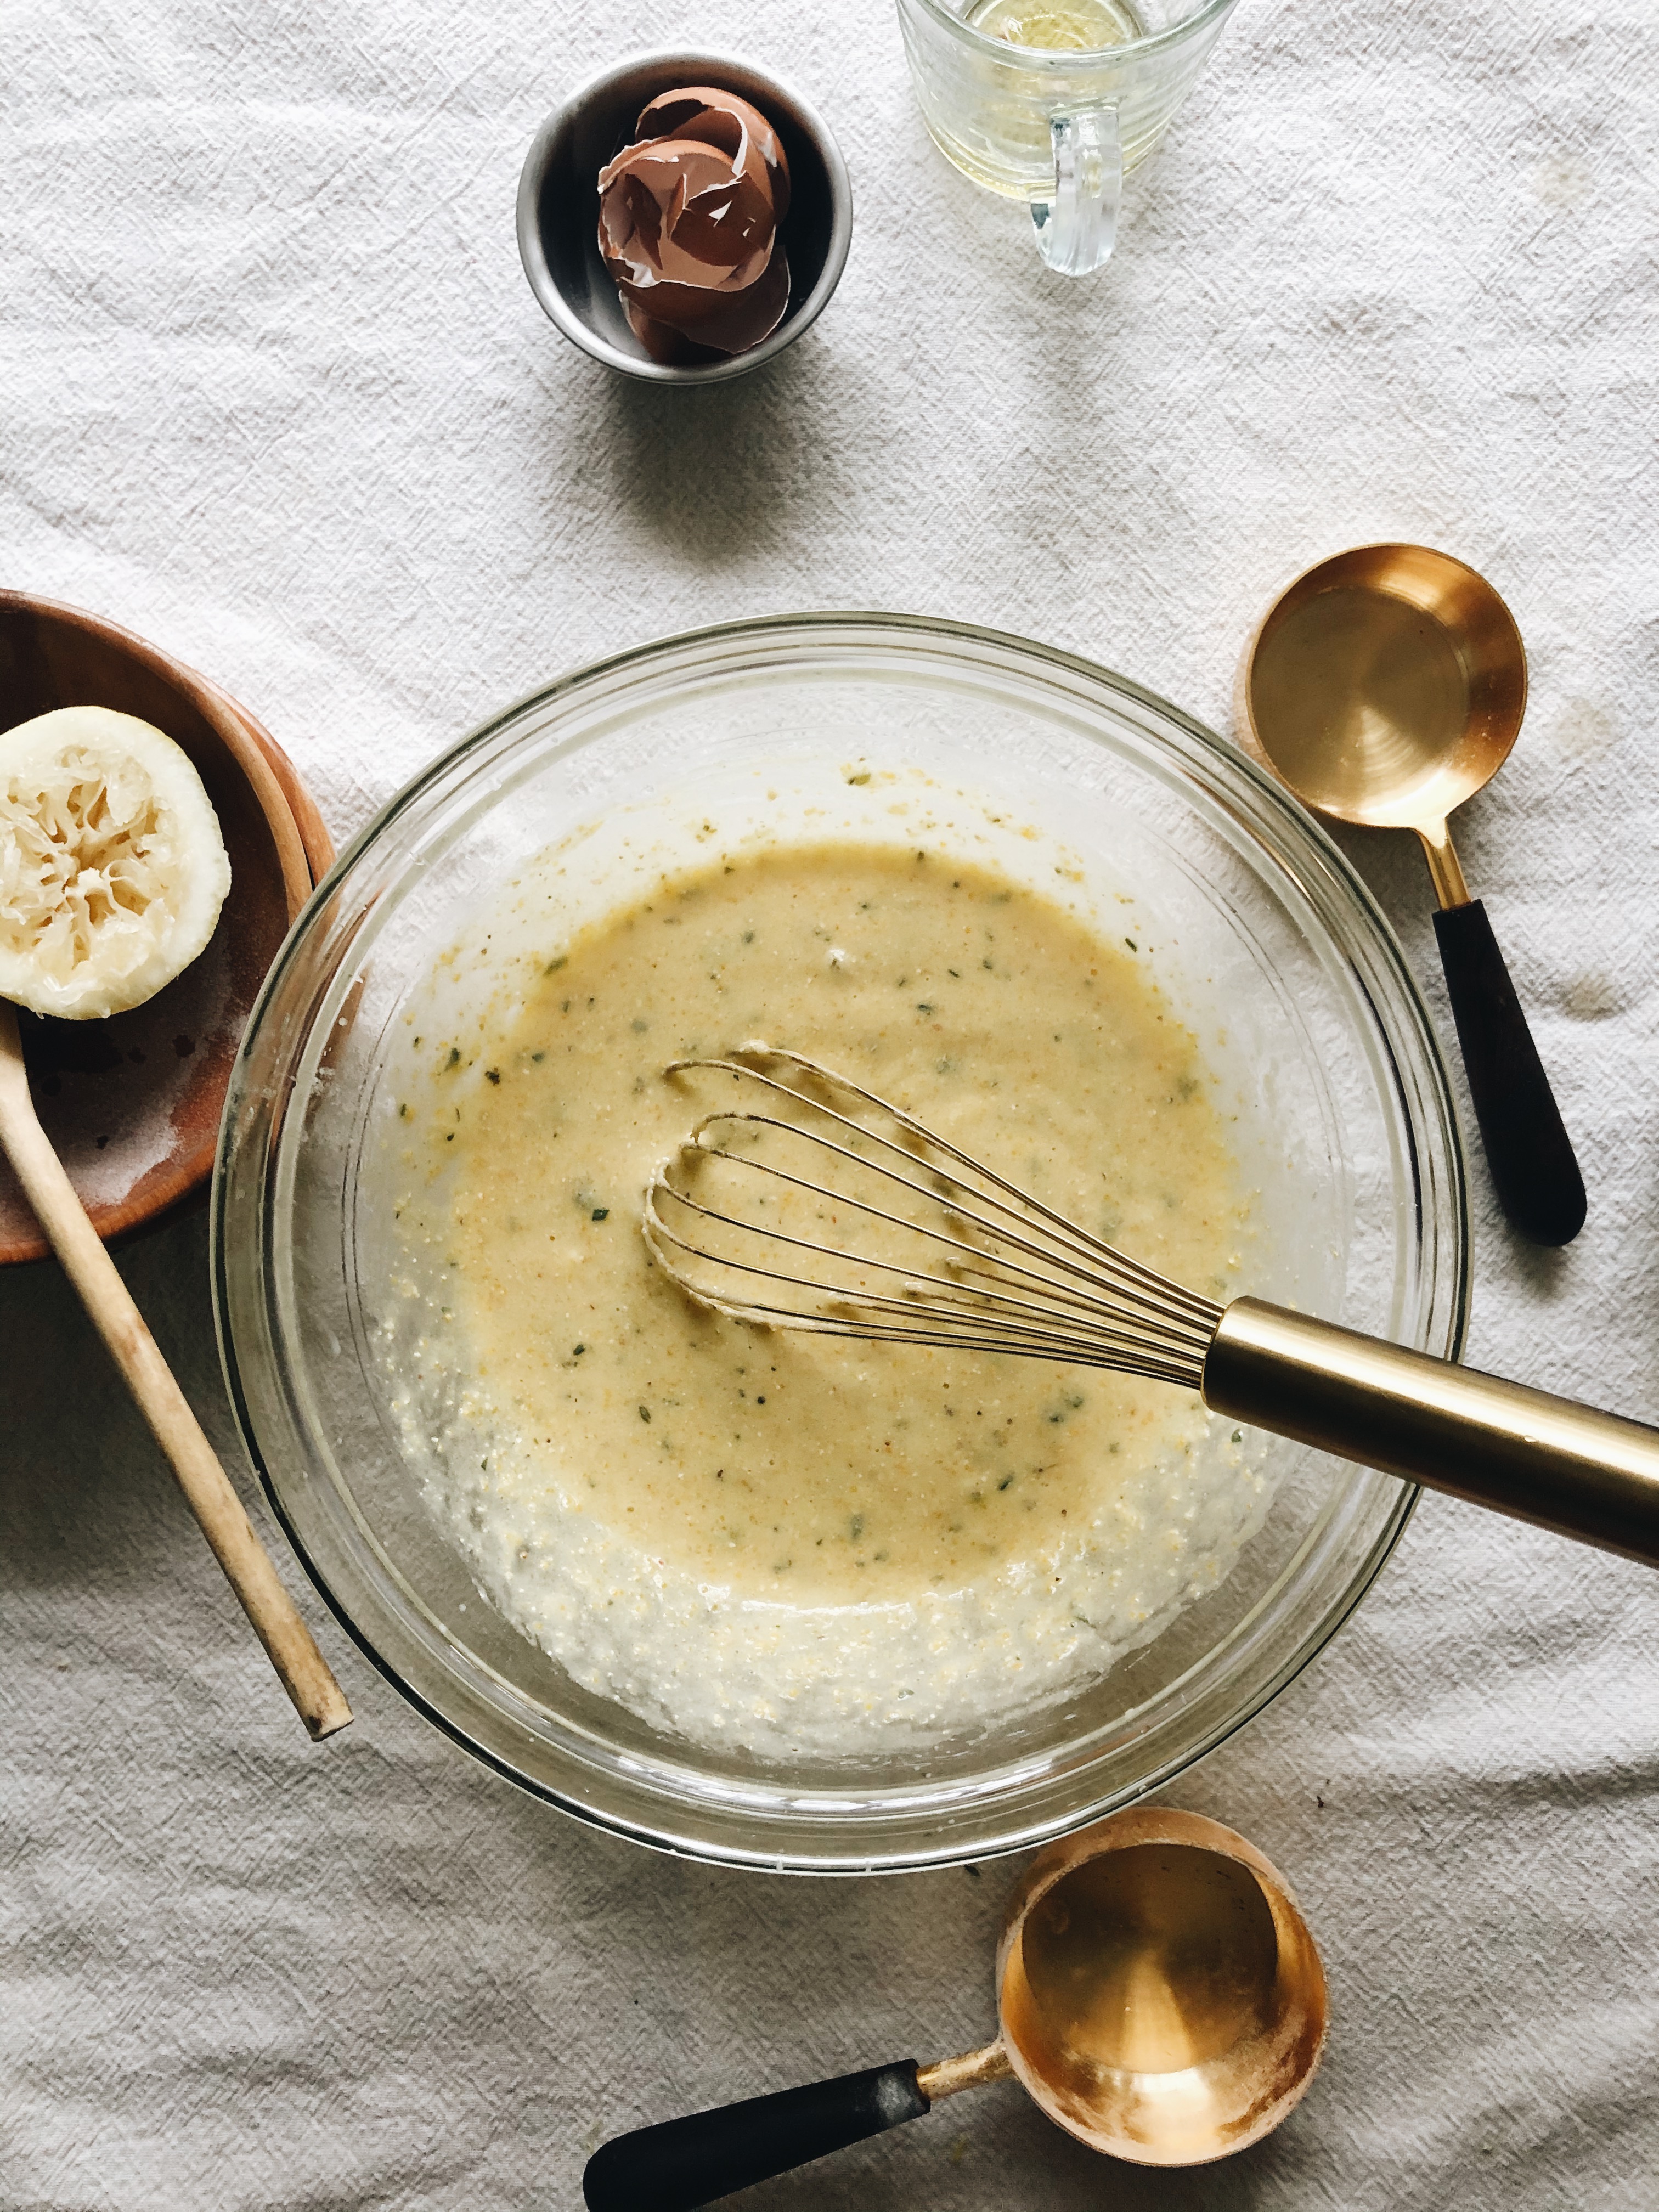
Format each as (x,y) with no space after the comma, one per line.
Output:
(318,1697)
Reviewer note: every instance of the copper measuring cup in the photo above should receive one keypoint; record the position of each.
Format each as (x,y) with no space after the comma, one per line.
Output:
(1384,688)
(1158,1994)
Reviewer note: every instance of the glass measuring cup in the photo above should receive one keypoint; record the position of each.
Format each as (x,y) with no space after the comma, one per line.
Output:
(1059,126)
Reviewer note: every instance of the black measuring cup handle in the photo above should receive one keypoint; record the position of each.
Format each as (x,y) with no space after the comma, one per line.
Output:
(680,2164)
(1528,1149)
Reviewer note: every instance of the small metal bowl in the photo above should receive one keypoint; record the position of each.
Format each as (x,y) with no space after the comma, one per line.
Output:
(559,208)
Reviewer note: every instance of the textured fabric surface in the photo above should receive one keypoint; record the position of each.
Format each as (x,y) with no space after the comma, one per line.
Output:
(274,393)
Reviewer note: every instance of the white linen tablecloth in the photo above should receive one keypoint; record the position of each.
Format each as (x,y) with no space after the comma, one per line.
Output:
(274,393)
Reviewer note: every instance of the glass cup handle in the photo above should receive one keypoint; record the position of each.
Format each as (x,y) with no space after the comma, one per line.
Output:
(1076,229)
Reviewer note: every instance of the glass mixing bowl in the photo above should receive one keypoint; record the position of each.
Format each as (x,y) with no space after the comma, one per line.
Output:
(1256,926)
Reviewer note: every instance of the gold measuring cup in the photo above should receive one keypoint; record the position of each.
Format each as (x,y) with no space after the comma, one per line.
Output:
(1385,687)
(1159,1997)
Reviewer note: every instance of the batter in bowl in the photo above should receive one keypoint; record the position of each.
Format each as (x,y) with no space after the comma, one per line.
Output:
(774,1539)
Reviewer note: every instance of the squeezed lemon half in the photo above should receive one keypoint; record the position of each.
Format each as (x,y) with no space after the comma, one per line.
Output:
(113,868)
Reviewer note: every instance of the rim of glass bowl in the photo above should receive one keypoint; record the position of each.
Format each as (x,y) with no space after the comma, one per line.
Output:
(811,1829)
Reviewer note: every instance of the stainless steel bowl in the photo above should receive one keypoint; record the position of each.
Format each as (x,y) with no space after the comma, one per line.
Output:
(1368,1194)
(559,208)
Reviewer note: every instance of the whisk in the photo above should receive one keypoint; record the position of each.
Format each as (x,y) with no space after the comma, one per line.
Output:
(817,1205)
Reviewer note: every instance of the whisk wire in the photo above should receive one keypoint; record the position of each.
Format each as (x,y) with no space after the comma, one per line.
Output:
(1041,1285)
(1083,1301)
(951,1319)
(1158,1291)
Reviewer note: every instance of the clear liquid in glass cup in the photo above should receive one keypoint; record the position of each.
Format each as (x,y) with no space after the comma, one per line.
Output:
(1056,26)
(1056,101)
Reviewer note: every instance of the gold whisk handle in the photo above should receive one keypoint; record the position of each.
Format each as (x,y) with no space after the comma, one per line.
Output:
(1547,1460)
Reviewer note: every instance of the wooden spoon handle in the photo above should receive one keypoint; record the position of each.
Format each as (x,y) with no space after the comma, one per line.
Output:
(305,1672)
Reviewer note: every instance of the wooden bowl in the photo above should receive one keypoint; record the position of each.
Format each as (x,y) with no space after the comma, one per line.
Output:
(132,1103)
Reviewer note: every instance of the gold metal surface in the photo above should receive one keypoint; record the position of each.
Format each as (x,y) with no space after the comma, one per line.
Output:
(949,2076)
(1160,1995)
(1385,687)
(1149,1960)
(1541,1459)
